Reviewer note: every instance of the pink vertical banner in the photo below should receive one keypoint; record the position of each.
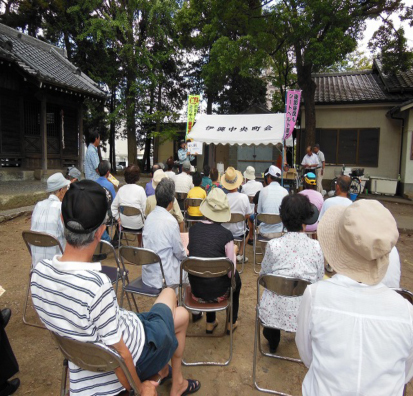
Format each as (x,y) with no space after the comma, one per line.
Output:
(292,106)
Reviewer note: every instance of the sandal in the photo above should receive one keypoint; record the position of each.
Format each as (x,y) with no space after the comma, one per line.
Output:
(193,386)
(168,377)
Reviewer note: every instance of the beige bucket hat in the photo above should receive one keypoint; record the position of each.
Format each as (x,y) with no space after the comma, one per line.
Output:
(356,240)
(249,173)
(231,178)
(215,206)
(157,177)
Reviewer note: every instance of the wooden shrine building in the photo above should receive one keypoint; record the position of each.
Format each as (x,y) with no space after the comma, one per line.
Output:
(41,102)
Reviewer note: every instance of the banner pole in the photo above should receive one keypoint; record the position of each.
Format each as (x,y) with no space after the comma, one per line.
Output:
(283,149)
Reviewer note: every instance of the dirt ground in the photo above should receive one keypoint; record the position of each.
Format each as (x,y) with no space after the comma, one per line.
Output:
(41,363)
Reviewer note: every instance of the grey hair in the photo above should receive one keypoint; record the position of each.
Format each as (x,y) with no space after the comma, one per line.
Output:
(165,192)
(79,241)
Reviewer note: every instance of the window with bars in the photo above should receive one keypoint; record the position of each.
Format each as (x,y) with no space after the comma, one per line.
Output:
(350,146)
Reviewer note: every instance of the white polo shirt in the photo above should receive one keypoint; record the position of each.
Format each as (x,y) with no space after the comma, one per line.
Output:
(356,339)
(183,183)
(311,160)
(251,187)
(77,301)
(238,203)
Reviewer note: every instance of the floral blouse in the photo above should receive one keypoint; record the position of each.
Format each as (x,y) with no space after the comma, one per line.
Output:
(295,255)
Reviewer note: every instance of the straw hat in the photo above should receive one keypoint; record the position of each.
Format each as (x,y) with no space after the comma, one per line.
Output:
(231,178)
(249,173)
(216,207)
(157,177)
(356,240)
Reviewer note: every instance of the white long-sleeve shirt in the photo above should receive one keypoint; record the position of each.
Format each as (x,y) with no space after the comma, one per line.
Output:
(356,339)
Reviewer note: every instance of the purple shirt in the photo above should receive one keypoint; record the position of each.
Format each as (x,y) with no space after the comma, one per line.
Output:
(149,190)
(316,199)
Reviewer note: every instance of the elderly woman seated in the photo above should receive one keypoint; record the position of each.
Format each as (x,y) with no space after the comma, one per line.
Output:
(294,255)
(209,239)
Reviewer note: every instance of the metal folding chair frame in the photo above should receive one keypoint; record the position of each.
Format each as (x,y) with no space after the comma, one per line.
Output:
(267,218)
(193,202)
(130,211)
(238,218)
(209,268)
(138,256)
(282,286)
(95,357)
(38,239)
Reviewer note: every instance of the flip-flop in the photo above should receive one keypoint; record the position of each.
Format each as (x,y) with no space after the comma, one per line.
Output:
(168,377)
(192,387)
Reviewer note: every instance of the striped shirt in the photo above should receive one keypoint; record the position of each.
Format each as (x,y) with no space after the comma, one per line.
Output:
(91,162)
(46,218)
(76,300)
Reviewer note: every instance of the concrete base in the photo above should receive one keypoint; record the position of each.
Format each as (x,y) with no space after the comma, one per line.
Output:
(21,200)
(11,174)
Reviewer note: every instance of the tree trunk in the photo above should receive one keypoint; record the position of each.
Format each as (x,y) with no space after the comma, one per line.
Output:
(148,140)
(130,120)
(112,153)
(158,127)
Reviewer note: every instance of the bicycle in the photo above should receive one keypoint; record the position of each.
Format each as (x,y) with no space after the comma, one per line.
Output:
(355,186)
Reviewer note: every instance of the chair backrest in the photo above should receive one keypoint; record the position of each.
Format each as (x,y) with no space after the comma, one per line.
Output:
(282,285)
(269,218)
(236,218)
(95,357)
(40,239)
(129,211)
(140,256)
(408,295)
(193,202)
(207,267)
(181,196)
(105,247)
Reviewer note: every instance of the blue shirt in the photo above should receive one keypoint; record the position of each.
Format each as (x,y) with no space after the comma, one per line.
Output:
(149,190)
(108,185)
(91,163)
(182,156)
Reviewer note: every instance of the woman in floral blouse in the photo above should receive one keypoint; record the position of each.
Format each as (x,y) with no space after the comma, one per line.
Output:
(294,255)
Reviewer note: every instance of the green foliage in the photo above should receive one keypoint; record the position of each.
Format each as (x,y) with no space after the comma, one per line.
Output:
(356,60)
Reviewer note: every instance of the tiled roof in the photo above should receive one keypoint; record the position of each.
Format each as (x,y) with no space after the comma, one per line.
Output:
(401,81)
(355,87)
(46,62)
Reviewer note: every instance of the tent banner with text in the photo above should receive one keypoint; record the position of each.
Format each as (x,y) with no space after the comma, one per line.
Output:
(193,103)
(292,105)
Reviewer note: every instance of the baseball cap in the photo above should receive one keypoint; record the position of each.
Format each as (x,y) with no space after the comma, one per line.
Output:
(85,203)
(274,171)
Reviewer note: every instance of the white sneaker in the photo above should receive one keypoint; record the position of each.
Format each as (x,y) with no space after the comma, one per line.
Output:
(239,259)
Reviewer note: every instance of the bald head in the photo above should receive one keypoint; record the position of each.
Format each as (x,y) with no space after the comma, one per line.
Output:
(309,150)
(343,185)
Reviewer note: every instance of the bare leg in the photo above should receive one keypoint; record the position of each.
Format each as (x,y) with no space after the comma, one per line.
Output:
(241,248)
(181,320)
(251,228)
(181,227)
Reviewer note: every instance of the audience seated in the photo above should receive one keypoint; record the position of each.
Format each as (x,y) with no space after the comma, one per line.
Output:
(46,217)
(209,239)
(183,181)
(251,187)
(161,234)
(341,198)
(149,190)
(73,174)
(151,201)
(8,362)
(214,180)
(206,181)
(196,192)
(310,185)
(86,308)
(354,334)
(130,194)
(170,165)
(238,203)
(294,255)
(270,201)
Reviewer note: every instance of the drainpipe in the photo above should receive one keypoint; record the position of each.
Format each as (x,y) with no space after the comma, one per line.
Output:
(401,141)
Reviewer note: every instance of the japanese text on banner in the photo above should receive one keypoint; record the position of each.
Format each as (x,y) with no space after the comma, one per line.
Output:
(193,103)
(291,111)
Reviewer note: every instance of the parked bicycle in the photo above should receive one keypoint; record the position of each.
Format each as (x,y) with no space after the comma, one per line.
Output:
(355,174)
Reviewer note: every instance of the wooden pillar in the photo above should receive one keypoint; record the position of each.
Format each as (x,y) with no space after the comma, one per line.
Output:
(43,134)
(81,138)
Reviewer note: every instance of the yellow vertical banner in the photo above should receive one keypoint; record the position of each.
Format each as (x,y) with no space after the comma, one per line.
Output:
(193,104)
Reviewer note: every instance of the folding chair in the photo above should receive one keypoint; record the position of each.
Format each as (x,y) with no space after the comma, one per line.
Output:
(138,257)
(38,239)
(266,218)
(193,202)
(130,211)
(95,357)
(207,268)
(408,295)
(180,197)
(282,286)
(238,218)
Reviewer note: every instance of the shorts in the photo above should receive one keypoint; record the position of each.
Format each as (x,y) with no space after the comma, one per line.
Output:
(160,341)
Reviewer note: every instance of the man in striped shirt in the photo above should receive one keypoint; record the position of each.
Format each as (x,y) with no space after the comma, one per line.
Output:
(74,299)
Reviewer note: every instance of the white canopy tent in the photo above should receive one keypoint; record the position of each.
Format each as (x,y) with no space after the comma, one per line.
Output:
(248,129)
